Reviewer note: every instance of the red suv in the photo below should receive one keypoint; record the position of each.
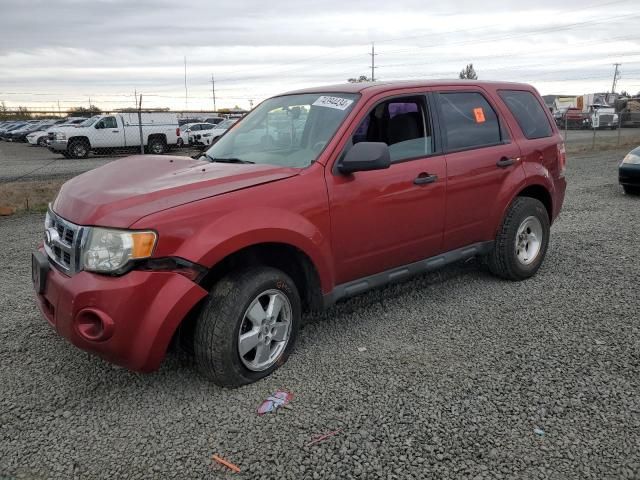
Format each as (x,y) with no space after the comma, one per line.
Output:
(314,196)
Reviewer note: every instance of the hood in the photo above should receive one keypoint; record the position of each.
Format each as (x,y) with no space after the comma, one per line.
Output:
(122,192)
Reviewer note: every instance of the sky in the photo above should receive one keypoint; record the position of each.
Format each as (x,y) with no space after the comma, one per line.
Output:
(65,53)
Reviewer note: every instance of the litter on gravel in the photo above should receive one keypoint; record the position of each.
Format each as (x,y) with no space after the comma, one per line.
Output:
(225,463)
(274,402)
(320,438)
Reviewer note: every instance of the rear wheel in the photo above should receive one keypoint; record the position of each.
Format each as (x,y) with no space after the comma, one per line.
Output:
(157,146)
(522,240)
(631,190)
(42,141)
(78,149)
(180,142)
(247,327)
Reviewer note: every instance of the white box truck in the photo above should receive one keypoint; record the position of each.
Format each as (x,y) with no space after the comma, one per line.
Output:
(117,131)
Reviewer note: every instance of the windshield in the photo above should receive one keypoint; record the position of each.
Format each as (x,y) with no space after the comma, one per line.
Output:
(89,121)
(226,124)
(288,131)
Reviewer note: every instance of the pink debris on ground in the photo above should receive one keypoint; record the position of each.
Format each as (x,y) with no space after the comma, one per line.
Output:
(274,402)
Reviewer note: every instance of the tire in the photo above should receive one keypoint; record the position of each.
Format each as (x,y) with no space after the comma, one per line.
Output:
(225,315)
(631,190)
(78,149)
(518,261)
(180,142)
(42,141)
(65,155)
(157,146)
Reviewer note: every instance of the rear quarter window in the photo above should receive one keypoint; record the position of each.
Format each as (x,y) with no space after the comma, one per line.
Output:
(469,121)
(528,112)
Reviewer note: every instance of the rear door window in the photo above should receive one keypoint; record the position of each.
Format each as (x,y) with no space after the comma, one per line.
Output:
(468,120)
(528,112)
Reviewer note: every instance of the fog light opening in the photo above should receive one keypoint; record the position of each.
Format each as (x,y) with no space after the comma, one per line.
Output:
(93,325)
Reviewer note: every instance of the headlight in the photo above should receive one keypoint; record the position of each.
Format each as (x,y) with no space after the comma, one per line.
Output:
(632,158)
(61,136)
(108,250)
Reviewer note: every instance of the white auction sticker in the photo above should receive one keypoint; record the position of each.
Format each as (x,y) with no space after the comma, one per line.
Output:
(333,102)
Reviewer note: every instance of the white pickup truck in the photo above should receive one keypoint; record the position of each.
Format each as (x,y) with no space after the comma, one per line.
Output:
(119,131)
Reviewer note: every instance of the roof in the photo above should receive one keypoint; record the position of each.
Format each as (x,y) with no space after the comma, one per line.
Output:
(377,87)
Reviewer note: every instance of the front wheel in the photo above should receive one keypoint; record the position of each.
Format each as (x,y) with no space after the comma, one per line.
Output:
(78,149)
(247,327)
(522,240)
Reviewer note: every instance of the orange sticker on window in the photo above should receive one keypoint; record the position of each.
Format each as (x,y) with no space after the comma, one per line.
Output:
(479,113)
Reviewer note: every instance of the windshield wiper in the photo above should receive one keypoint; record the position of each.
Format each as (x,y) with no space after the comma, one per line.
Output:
(228,160)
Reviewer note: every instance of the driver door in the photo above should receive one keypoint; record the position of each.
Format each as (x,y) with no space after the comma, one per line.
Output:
(108,133)
(383,219)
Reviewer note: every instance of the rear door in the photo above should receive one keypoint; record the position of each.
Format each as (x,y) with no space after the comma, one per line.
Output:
(538,141)
(388,218)
(480,157)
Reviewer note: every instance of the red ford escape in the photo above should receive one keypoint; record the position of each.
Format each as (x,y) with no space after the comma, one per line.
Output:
(314,196)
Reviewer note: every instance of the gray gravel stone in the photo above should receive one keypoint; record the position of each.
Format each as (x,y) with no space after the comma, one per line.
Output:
(460,367)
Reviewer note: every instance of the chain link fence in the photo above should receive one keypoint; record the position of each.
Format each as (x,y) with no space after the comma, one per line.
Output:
(40,150)
(119,132)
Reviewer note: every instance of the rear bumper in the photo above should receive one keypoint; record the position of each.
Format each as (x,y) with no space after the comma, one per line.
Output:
(141,311)
(629,174)
(560,185)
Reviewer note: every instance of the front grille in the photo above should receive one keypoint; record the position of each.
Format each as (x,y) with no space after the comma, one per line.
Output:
(607,118)
(62,243)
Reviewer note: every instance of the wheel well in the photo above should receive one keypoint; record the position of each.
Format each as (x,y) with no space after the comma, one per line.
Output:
(82,139)
(287,258)
(160,136)
(539,193)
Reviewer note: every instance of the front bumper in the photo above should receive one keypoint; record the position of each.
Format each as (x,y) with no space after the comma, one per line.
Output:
(629,174)
(57,145)
(141,309)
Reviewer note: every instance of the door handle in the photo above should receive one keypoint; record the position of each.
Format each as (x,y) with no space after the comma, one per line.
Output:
(505,162)
(115,131)
(425,178)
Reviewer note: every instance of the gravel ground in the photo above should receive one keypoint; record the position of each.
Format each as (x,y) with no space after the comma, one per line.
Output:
(460,369)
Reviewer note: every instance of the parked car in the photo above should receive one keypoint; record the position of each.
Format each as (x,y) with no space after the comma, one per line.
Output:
(40,137)
(119,131)
(208,136)
(11,133)
(21,135)
(189,130)
(8,127)
(226,251)
(213,120)
(629,172)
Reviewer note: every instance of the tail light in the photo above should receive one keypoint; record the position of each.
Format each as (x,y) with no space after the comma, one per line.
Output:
(178,132)
(562,159)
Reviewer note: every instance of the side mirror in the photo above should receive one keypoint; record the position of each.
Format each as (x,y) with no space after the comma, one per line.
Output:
(365,156)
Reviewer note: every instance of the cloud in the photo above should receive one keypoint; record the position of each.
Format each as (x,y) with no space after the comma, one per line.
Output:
(69,50)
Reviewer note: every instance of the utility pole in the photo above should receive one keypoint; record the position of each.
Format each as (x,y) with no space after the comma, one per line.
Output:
(616,76)
(186,96)
(373,62)
(213,92)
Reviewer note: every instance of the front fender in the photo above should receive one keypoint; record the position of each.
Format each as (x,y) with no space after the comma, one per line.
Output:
(209,242)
